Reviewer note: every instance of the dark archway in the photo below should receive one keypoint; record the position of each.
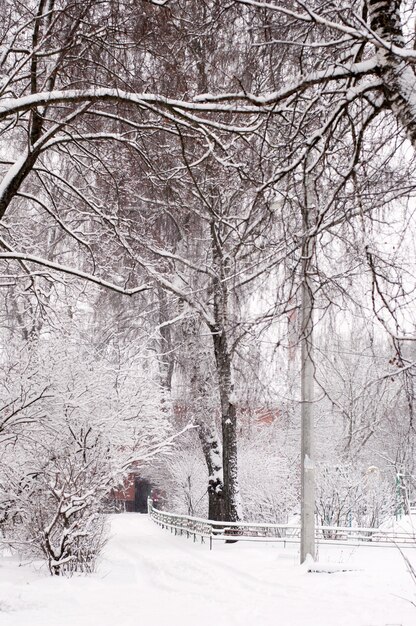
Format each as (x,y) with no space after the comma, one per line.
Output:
(142,490)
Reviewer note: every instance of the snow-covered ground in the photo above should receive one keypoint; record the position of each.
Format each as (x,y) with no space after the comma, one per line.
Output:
(149,576)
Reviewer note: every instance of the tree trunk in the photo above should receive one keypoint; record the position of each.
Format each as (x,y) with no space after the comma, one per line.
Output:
(233,509)
(399,79)
(199,368)
(229,429)
(213,457)
(166,359)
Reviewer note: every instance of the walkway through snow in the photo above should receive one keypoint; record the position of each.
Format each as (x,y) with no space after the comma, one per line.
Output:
(149,575)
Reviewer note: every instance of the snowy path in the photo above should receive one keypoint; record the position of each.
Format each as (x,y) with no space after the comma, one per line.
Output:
(149,576)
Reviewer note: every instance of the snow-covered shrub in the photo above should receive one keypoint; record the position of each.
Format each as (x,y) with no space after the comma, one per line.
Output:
(60,461)
(184,477)
(349,495)
(9,515)
(269,477)
(60,512)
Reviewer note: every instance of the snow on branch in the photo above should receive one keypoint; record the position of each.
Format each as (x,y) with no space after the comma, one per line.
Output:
(66,269)
(179,108)
(333,72)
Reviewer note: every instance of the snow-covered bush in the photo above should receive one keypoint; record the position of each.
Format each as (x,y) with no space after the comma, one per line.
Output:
(59,506)
(60,461)
(349,495)
(269,475)
(184,477)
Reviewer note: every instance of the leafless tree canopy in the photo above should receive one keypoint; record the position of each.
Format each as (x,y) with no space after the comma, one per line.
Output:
(202,204)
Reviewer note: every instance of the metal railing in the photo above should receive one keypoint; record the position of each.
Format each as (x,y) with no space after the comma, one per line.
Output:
(209,530)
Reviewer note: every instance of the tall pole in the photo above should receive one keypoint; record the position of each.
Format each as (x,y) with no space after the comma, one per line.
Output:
(307,543)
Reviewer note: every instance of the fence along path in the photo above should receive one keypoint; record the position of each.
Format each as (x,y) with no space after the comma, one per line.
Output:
(210,531)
